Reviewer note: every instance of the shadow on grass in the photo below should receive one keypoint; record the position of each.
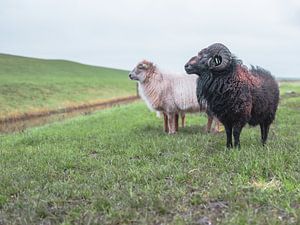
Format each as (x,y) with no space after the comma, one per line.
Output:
(198,130)
(194,129)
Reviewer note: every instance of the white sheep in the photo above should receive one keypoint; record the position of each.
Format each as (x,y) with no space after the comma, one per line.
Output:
(168,93)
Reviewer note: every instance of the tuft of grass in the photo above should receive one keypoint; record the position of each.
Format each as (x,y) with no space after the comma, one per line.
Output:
(29,84)
(118,167)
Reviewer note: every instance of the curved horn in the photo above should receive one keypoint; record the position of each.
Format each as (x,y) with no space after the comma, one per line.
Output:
(221,57)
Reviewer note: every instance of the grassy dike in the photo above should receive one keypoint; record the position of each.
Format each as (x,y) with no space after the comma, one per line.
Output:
(32,85)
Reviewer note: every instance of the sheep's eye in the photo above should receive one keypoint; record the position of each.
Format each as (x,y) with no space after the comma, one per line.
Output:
(140,67)
(218,60)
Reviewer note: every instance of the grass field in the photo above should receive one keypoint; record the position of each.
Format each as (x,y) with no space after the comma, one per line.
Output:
(29,84)
(118,167)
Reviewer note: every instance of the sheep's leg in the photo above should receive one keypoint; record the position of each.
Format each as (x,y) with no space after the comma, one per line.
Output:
(264,128)
(267,128)
(228,129)
(171,123)
(209,123)
(236,134)
(262,132)
(166,127)
(176,121)
(183,119)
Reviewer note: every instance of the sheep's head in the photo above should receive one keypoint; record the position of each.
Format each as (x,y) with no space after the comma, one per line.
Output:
(216,57)
(142,71)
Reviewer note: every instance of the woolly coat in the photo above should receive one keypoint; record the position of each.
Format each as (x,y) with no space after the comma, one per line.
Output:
(238,96)
(170,93)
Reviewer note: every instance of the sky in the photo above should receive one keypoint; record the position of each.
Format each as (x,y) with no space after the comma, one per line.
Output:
(120,33)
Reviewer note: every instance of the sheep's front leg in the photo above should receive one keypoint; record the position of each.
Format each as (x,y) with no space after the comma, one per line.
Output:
(183,119)
(176,121)
(217,125)
(171,123)
(228,129)
(166,127)
(237,129)
(209,123)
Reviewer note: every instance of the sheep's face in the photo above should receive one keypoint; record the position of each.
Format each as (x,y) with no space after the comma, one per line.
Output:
(197,64)
(140,72)
(216,58)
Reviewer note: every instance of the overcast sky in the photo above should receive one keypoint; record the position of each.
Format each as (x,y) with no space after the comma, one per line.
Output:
(168,32)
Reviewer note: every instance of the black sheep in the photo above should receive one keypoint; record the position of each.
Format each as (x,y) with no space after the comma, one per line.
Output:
(235,94)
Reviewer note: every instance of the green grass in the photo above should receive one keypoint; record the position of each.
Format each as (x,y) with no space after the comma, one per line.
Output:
(28,84)
(118,167)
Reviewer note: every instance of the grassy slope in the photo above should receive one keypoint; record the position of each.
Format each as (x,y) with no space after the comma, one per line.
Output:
(28,84)
(118,167)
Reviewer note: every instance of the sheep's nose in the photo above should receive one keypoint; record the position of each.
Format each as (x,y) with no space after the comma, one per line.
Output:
(187,66)
(130,75)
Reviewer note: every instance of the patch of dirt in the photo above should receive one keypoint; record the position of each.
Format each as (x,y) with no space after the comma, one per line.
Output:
(206,213)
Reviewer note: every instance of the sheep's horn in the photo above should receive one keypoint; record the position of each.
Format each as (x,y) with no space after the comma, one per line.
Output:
(221,57)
